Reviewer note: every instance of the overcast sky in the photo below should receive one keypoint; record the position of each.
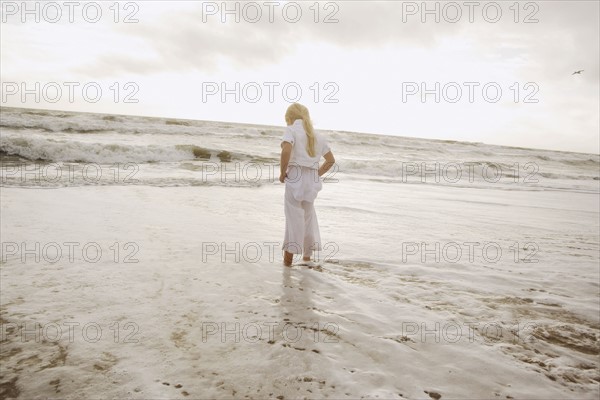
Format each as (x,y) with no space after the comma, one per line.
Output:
(359,65)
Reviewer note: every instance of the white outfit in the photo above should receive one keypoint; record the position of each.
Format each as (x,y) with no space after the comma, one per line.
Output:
(302,185)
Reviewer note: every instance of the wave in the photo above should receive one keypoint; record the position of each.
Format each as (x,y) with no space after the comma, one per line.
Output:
(20,127)
(75,179)
(589,162)
(575,162)
(51,150)
(106,124)
(40,147)
(482,171)
(46,128)
(48,114)
(177,122)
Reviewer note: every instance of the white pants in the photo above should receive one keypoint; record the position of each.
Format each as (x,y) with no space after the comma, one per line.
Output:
(301,226)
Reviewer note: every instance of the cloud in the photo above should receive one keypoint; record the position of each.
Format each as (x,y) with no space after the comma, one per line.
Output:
(181,41)
(564,39)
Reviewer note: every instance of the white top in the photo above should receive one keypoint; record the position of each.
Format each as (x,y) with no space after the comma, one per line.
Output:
(296,135)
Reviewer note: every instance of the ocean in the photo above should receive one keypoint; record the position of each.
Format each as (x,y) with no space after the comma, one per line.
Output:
(141,258)
(174,152)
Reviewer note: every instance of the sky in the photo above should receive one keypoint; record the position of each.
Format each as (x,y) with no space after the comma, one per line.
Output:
(493,72)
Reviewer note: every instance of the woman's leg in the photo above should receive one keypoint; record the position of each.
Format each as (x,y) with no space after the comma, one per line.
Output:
(312,236)
(294,227)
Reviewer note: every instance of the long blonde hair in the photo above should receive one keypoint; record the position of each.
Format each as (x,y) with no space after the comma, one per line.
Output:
(298,111)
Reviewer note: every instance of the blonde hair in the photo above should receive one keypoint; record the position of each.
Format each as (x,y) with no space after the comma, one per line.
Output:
(298,111)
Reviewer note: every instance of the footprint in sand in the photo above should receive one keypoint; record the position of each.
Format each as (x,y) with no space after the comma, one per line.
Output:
(177,386)
(434,395)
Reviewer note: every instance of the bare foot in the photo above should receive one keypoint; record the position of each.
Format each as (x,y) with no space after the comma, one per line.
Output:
(287,259)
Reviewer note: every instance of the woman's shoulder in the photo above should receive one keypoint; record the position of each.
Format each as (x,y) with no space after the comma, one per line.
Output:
(289,134)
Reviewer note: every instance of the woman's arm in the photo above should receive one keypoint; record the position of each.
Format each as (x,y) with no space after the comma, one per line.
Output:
(329,161)
(286,152)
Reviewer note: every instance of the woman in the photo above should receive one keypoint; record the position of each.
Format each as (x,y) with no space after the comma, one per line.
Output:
(301,151)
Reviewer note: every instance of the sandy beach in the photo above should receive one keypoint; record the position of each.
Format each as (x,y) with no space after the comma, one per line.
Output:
(173,314)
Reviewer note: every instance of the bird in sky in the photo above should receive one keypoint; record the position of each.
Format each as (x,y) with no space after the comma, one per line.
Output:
(577,72)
